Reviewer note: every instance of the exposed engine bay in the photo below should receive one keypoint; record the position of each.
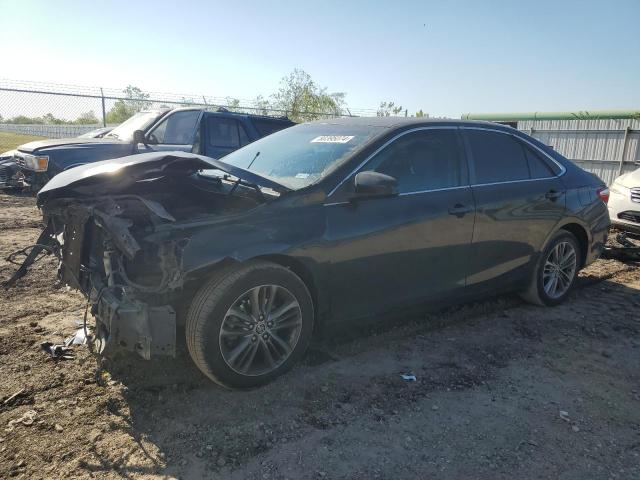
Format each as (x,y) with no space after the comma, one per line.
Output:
(120,241)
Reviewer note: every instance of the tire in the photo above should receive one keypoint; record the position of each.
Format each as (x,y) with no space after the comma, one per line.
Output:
(537,293)
(269,346)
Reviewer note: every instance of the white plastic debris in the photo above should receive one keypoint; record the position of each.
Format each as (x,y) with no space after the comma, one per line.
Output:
(78,338)
(408,377)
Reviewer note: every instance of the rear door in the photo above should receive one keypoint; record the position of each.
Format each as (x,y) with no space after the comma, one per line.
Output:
(223,134)
(388,252)
(519,200)
(177,131)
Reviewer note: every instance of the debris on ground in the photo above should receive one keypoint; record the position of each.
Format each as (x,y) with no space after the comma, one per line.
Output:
(625,251)
(408,377)
(13,397)
(26,419)
(59,352)
(78,338)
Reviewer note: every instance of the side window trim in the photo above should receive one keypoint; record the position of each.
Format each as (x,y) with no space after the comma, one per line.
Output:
(520,141)
(363,164)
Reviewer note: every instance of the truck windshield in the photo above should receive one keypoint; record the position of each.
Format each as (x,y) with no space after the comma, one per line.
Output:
(140,121)
(299,156)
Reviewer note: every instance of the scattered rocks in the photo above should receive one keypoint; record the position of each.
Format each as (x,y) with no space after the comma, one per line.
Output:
(26,419)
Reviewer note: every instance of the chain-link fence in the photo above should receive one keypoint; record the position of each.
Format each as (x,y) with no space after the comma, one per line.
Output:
(34,110)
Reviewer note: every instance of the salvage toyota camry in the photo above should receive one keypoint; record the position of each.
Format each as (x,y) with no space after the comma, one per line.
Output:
(315,226)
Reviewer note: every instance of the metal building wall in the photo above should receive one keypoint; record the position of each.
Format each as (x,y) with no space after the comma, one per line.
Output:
(605,147)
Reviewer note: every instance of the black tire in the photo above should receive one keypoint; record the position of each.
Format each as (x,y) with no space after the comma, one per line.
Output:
(211,305)
(536,292)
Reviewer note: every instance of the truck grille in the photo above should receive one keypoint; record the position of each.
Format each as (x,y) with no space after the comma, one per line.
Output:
(635,194)
(3,175)
(630,216)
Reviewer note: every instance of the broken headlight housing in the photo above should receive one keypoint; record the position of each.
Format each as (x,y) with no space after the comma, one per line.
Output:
(37,163)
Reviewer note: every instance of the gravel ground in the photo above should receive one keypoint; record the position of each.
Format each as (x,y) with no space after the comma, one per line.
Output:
(503,390)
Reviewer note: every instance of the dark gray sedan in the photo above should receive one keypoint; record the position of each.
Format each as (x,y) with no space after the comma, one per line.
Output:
(315,226)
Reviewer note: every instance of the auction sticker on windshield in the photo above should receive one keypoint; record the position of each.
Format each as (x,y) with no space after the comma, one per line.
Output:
(332,139)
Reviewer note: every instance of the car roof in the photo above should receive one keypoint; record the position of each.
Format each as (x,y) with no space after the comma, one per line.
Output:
(399,122)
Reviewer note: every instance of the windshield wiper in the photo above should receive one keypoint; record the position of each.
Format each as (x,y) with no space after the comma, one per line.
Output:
(235,185)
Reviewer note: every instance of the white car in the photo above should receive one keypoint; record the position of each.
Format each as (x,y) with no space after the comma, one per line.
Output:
(624,201)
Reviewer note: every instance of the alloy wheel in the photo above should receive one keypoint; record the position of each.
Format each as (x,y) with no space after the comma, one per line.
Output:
(260,330)
(559,269)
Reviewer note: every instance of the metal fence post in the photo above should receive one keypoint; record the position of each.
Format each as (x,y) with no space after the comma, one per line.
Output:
(104,112)
(625,142)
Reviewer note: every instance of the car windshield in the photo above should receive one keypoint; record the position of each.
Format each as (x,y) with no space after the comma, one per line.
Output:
(140,121)
(299,156)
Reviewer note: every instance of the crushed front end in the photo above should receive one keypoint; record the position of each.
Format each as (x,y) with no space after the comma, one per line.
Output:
(128,283)
(120,229)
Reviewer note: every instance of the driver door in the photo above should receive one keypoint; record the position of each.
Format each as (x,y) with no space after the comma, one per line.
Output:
(179,130)
(408,248)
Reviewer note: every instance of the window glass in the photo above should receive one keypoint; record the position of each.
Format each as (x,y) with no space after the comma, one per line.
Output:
(244,138)
(423,160)
(538,166)
(498,157)
(225,133)
(301,155)
(177,129)
(267,127)
(140,121)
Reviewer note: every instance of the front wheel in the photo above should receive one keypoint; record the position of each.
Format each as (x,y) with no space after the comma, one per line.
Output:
(556,271)
(249,325)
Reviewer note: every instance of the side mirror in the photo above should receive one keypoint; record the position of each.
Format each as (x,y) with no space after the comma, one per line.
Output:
(374,184)
(138,137)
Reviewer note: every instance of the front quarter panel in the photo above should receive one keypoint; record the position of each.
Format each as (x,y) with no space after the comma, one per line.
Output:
(267,230)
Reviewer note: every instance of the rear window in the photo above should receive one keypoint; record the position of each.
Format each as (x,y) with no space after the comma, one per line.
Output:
(539,166)
(226,133)
(497,157)
(266,127)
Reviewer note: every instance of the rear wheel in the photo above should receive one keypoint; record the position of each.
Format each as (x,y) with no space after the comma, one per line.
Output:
(556,271)
(249,325)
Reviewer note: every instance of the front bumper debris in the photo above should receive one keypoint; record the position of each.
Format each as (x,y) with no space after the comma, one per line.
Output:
(132,325)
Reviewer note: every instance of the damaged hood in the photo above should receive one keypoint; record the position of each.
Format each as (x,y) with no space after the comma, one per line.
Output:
(38,145)
(111,176)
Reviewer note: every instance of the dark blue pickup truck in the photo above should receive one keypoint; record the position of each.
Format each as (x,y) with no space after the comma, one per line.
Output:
(209,133)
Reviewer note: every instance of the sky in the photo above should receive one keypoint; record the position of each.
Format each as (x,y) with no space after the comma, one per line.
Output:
(444,57)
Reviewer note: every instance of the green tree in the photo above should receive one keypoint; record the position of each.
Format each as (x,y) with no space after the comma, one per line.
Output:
(388,109)
(232,104)
(87,118)
(24,120)
(421,114)
(135,100)
(302,99)
(262,105)
(50,119)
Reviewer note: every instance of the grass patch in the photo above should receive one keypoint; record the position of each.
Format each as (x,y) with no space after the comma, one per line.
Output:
(10,140)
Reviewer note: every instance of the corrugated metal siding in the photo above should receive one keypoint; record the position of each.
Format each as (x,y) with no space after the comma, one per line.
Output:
(595,145)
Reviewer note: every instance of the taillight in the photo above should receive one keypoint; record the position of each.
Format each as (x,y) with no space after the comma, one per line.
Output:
(603,193)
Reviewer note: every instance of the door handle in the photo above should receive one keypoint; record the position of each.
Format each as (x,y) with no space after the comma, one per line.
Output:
(553,195)
(459,210)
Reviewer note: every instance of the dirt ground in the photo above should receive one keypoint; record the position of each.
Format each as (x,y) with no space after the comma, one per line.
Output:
(504,390)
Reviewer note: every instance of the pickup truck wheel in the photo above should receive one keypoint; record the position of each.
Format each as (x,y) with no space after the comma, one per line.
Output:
(249,325)
(556,271)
